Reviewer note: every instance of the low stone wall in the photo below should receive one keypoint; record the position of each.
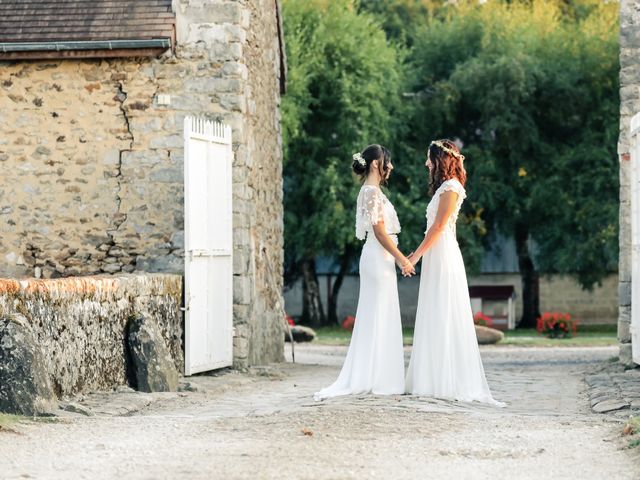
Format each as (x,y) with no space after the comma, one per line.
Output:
(80,323)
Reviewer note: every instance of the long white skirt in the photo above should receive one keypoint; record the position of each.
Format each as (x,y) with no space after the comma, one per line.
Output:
(445,361)
(375,359)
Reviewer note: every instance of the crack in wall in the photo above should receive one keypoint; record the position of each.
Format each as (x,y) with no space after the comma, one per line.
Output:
(119,218)
(121,97)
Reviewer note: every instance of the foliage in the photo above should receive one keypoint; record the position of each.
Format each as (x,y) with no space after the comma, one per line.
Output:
(531,92)
(530,89)
(348,323)
(400,19)
(290,321)
(557,325)
(344,84)
(8,422)
(336,335)
(481,319)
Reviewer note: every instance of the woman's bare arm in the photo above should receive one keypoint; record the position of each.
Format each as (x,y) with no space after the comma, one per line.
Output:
(390,246)
(446,206)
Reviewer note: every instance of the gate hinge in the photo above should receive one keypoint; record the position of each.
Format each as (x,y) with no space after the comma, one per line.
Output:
(207,253)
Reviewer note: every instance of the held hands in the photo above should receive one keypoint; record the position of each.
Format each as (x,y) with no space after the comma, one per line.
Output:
(408,270)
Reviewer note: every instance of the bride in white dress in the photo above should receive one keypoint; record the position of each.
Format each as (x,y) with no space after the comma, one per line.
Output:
(445,361)
(375,359)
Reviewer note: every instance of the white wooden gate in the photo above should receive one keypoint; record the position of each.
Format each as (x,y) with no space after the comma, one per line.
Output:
(208,161)
(635,237)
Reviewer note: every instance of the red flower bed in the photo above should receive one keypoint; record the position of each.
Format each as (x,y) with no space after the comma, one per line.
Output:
(289,320)
(481,319)
(348,322)
(557,325)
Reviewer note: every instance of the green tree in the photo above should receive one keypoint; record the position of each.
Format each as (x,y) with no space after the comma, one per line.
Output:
(344,86)
(530,89)
(401,18)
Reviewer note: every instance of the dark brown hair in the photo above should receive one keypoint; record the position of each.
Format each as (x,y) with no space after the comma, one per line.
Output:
(445,165)
(369,154)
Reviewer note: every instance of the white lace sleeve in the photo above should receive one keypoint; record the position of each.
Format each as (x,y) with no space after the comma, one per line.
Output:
(373,208)
(454,185)
(370,210)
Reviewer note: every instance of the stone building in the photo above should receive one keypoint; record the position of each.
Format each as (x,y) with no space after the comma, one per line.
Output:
(92,101)
(629,106)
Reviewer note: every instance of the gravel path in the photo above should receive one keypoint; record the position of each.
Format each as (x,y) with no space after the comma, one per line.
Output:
(265,425)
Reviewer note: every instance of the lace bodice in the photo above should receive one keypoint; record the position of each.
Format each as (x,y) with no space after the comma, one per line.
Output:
(373,206)
(454,185)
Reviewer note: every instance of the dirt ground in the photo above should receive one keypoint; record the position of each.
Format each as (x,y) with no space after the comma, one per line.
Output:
(265,425)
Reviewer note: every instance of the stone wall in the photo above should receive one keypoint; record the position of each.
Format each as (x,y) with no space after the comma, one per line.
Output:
(265,222)
(562,293)
(80,324)
(629,105)
(93,165)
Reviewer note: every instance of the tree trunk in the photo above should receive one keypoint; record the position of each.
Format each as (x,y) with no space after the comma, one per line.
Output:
(345,261)
(530,290)
(312,312)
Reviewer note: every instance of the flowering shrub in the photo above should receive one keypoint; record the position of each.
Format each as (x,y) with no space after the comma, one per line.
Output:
(289,320)
(348,322)
(557,325)
(481,319)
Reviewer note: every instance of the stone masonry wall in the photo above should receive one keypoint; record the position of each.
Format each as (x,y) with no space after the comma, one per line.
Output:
(629,105)
(80,323)
(93,165)
(266,224)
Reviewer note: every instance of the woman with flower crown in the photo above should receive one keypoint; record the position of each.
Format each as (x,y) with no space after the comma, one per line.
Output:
(375,359)
(445,361)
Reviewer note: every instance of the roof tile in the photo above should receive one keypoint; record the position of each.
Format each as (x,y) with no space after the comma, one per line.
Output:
(72,20)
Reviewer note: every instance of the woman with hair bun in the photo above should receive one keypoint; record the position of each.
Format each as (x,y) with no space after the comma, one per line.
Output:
(445,361)
(375,359)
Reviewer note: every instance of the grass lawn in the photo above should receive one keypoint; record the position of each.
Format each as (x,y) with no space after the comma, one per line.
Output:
(588,335)
(339,336)
(8,422)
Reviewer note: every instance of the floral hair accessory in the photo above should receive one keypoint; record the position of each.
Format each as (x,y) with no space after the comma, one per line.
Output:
(440,144)
(358,158)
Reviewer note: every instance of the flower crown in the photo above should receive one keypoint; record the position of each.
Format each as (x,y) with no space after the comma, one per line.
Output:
(440,144)
(358,158)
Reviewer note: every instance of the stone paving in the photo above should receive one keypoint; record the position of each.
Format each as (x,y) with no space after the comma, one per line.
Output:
(615,391)
(264,424)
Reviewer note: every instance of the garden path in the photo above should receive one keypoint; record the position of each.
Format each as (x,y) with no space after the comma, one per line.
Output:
(264,424)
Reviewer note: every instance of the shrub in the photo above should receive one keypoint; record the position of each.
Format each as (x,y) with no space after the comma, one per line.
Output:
(349,322)
(481,319)
(557,325)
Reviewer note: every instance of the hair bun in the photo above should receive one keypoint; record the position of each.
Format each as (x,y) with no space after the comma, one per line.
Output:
(358,168)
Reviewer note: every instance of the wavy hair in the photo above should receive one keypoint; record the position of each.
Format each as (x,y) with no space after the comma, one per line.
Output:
(446,165)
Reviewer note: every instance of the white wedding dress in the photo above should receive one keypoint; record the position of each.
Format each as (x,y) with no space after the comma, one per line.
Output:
(445,361)
(375,359)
